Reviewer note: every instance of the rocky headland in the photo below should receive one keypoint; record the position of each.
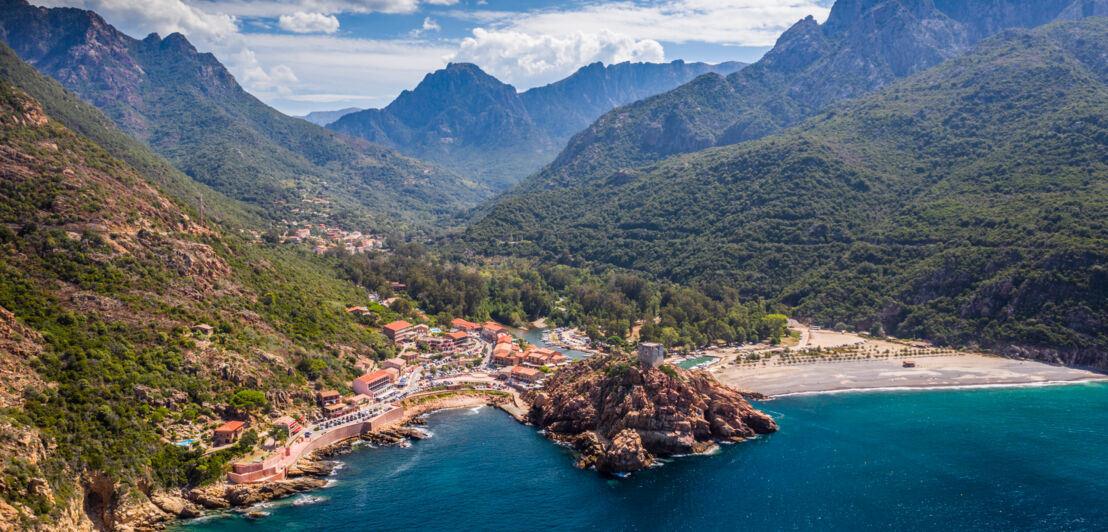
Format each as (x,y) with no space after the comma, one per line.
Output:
(621,415)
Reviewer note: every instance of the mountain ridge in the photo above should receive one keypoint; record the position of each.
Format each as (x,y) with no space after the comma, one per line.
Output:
(863,45)
(188,108)
(463,118)
(933,207)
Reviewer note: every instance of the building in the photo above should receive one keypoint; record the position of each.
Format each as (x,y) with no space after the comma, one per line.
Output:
(529,375)
(288,423)
(334,411)
(651,354)
(542,356)
(440,344)
(203,329)
(459,324)
(399,331)
(372,384)
(228,432)
(462,341)
(507,355)
(395,363)
(328,397)
(490,330)
(410,356)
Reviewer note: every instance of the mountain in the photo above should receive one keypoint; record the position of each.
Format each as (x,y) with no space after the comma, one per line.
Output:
(188,108)
(322,118)
(863,45)
(103,277)
(472,123)
(965,205)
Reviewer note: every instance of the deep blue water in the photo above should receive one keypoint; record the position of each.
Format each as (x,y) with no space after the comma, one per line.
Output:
(998,459)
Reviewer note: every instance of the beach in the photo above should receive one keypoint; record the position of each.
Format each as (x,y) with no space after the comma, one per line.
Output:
(946,371)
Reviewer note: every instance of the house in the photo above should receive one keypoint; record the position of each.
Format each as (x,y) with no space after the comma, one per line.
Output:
(440,344)
(395,363)
(542,356)
(372,384)
(462,341)
(288,423)
(228,432)
(360,399)
(507,355)
(303,233)
(410,356)
(328,397)
(398,286)
(523,374)
(398,331)
(334,411)
(459,324)
(357,311)
(490,330)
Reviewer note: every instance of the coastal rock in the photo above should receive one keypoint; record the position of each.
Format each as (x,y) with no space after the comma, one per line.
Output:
(247,494)
(210,497)
(625,453)
(308,468)
(620,415)
(176,506)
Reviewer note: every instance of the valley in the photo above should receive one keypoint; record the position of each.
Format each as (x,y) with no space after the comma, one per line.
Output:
(843,268)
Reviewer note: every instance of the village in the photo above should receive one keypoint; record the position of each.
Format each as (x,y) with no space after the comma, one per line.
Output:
(470,356)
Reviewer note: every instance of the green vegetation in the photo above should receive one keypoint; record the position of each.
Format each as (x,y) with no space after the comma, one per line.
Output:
(964,205)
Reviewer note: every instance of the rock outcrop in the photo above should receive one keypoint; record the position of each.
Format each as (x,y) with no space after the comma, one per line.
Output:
(224,495)
(620,415)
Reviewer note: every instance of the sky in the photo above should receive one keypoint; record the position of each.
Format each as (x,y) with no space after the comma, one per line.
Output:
(315,55)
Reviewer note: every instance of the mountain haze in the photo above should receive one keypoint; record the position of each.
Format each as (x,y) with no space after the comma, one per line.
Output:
(964,205)
(322,118)
(476,125)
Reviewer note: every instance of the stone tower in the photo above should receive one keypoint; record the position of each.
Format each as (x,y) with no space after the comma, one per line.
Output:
(651,354)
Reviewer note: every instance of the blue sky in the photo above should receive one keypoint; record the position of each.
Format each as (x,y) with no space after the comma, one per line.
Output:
(306,55)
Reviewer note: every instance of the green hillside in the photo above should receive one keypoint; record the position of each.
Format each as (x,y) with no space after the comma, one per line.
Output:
(862,46)
(965,205)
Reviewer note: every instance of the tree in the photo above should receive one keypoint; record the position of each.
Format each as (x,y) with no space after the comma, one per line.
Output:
(248,400)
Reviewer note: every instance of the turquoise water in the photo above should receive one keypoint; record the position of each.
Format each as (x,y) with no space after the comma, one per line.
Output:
(690,363)
(999,459)
(534,337)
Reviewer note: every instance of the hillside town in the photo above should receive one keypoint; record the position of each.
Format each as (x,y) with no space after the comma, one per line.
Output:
(468,356)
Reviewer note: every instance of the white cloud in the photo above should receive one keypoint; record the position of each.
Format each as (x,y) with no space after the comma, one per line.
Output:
(272,8)
(139,17)
(525,59)
(726,22)
(370,73)
(301,22)
(430,25)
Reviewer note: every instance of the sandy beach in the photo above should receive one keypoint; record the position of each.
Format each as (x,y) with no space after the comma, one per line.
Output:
(956,370)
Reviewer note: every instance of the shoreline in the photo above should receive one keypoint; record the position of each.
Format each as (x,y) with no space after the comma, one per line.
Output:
(939,387)
(931,372)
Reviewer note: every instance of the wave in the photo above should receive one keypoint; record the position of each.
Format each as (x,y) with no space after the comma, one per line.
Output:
(476,410)
(927,387)
(339,466)
(307,499)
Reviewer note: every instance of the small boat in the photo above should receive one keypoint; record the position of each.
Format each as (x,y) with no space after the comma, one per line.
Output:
(909,364)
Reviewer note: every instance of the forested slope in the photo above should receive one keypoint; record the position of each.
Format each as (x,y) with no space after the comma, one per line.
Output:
(967,205)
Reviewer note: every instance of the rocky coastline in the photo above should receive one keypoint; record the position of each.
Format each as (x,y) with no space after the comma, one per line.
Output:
(308,474)
(621,416)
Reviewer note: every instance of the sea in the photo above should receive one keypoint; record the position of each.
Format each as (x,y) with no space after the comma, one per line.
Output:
(1032,458)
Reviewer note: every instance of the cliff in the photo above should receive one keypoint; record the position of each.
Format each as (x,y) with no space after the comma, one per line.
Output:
(620,416)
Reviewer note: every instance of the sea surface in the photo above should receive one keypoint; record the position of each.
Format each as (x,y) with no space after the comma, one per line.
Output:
(986,459)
